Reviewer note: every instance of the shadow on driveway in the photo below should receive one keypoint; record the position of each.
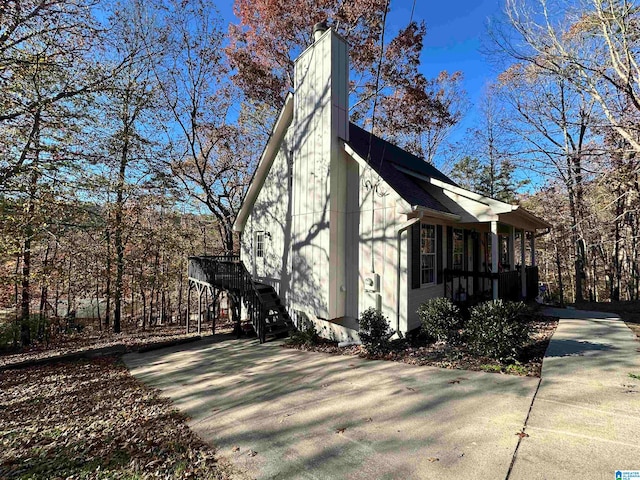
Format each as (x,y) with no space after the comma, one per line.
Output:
(313,415)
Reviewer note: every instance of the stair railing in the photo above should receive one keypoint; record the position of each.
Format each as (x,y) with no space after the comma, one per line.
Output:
(230,273)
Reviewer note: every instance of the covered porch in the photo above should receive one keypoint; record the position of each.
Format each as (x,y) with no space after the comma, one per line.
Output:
(498,261)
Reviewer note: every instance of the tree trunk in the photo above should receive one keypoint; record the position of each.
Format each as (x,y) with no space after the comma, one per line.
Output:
(119,227)
(180,286)
(107,308)
(43,295)
(25,331)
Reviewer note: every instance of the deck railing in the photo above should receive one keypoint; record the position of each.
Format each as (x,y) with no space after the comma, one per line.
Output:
(228,272)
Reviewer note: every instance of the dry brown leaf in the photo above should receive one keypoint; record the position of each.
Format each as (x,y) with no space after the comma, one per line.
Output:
(522,434)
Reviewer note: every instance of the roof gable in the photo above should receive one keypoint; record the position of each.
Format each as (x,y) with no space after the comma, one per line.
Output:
(264,165)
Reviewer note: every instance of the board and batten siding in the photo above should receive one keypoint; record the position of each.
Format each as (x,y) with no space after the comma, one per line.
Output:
(319,179)
(417,296)
(379,222)
(271,214)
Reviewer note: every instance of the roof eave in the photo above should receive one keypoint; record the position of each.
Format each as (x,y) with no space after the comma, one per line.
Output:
(517,210)
(420,211)
(264,165)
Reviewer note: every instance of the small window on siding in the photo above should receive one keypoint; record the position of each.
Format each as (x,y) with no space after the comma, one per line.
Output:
(458,249)
(427,254)
(260,244)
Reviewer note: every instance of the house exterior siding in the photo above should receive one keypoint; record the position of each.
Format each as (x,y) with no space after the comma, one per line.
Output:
(336,232)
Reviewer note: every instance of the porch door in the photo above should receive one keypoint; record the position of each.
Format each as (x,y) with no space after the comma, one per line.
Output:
(472,260)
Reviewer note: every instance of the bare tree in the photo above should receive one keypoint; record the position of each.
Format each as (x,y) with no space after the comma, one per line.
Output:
(208,160)
(592,44)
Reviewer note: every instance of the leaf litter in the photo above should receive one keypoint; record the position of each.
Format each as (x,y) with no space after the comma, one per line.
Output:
(91,419)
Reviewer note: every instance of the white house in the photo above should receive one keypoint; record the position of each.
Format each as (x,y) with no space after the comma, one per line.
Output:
(338,220)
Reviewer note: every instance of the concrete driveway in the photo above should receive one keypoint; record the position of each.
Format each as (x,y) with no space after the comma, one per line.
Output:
(585,420)
(316,416)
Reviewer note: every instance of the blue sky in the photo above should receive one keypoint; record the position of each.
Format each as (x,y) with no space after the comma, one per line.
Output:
(456,30)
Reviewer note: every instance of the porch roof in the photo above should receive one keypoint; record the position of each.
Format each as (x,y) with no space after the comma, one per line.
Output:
(423,186)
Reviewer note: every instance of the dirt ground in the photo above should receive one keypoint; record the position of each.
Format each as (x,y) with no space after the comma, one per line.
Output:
(93,420)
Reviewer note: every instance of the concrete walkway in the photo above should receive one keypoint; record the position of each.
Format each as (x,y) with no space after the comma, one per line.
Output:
(317,416)
(585,420)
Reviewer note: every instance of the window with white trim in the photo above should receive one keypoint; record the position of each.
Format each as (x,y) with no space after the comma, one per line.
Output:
(458,249)
(260,244)
(427,254)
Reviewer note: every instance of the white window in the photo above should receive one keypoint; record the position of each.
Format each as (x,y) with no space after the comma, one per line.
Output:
(259,244)
(428,254)
(458,249)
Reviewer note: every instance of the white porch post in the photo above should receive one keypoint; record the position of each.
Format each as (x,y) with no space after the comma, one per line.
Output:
(533,248)
(200,290)
(188,304)
(523,260)
(494,258)
(512,247)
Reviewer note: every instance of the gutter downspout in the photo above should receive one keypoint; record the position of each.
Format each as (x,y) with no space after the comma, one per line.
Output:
(542,234)
(402,228)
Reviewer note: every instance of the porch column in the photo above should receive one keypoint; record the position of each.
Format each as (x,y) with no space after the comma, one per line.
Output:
(494,258)
(533,248)
(200,290)
(523,260)
(512,247)
(188,304)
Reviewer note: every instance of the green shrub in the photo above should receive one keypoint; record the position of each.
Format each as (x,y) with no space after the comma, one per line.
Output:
(374,331)
(441,319)
(9,333)
(306,334)
(498,329)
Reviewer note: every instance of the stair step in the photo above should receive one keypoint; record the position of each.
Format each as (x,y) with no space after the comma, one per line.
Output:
(276,306)
(278,331)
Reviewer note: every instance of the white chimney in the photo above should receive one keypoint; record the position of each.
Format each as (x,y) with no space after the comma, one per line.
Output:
(320,125)
(318,29)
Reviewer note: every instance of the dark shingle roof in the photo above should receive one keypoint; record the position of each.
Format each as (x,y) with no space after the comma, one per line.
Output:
(385,157)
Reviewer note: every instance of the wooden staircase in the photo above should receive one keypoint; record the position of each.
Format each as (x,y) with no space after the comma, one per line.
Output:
(277,321)
(267,315)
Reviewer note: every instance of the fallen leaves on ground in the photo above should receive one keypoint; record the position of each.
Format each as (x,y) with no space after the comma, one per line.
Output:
(522,434)
(75,342)
(441,354)
(92,420)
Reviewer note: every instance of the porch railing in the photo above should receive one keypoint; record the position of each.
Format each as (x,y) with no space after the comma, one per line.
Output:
(466,286)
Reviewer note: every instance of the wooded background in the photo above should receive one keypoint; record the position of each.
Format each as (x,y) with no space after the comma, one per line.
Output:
(129,132)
